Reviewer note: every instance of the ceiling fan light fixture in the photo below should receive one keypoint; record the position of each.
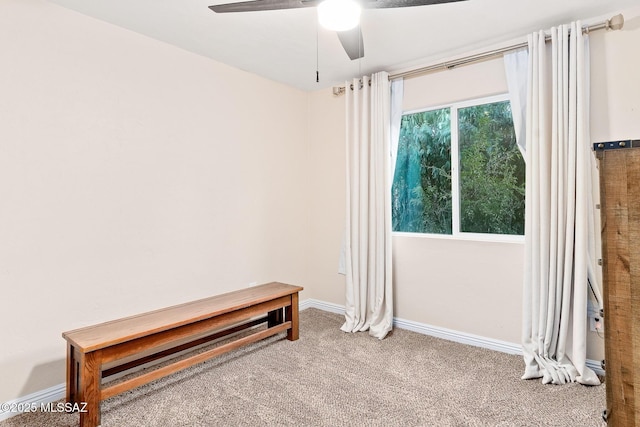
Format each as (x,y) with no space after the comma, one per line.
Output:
(339,15)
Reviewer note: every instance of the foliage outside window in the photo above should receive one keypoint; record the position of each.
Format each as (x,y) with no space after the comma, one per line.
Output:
(459,170)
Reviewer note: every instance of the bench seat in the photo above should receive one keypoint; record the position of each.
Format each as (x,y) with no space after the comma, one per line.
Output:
(100,351)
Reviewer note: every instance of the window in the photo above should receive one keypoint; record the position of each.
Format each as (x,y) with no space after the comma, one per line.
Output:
(459,170)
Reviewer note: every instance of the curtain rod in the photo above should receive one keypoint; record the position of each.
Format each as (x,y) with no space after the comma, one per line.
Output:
(615,23)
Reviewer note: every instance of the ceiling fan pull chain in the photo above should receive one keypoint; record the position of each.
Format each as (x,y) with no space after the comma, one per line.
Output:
(317,54)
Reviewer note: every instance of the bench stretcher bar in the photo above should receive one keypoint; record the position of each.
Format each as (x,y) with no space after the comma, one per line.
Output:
(86,365)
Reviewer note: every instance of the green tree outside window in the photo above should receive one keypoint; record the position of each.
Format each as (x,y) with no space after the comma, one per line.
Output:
(491,178)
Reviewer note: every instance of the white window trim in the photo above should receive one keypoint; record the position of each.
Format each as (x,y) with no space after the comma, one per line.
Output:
(475,237)
(455,184)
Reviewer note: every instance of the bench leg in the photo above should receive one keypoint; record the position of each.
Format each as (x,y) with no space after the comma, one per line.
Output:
(72,375)
(90,388)
(275,318)
(291,314)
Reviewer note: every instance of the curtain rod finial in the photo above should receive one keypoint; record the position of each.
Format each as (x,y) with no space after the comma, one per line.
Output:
(616,22)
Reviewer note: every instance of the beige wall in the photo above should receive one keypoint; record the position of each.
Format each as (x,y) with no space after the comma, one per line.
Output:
(133,175)
(327,190)
(615,98)
(615,89)
(471,287)
(430,286)
(468,286)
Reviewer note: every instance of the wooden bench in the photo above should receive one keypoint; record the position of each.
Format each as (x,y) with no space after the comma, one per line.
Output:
(99,351)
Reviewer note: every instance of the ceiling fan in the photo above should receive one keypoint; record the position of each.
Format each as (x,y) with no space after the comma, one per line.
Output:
(351,39)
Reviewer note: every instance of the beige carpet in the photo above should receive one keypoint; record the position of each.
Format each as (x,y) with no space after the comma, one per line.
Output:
(330,378)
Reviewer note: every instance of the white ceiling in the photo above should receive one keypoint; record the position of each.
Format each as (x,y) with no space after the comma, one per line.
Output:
(281,45)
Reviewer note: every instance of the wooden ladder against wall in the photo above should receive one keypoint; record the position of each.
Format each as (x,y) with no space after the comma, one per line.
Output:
(620,212)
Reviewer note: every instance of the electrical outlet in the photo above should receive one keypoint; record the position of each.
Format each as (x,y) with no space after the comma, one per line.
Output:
(596,322)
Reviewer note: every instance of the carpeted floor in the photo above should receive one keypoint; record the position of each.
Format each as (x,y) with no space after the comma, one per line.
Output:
(330,378)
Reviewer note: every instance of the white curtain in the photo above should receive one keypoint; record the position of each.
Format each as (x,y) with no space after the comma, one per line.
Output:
(516,66)
(369,296)
(559,211)
(397,95)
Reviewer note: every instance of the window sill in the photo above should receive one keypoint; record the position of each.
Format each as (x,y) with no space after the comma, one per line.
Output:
(474,237)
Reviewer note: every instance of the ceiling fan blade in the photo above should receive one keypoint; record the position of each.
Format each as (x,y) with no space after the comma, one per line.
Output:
(385,4)
(352,42)
(259,5)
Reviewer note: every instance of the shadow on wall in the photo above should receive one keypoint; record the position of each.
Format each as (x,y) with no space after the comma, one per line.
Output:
(632,24)
(44,376)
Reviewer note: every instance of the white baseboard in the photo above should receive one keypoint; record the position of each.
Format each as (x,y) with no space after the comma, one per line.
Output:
(444,333)
(596,366)
(459,337)
(31,401)
(321,305)
(57,392)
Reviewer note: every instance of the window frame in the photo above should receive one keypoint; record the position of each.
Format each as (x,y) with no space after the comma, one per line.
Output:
(456,234)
